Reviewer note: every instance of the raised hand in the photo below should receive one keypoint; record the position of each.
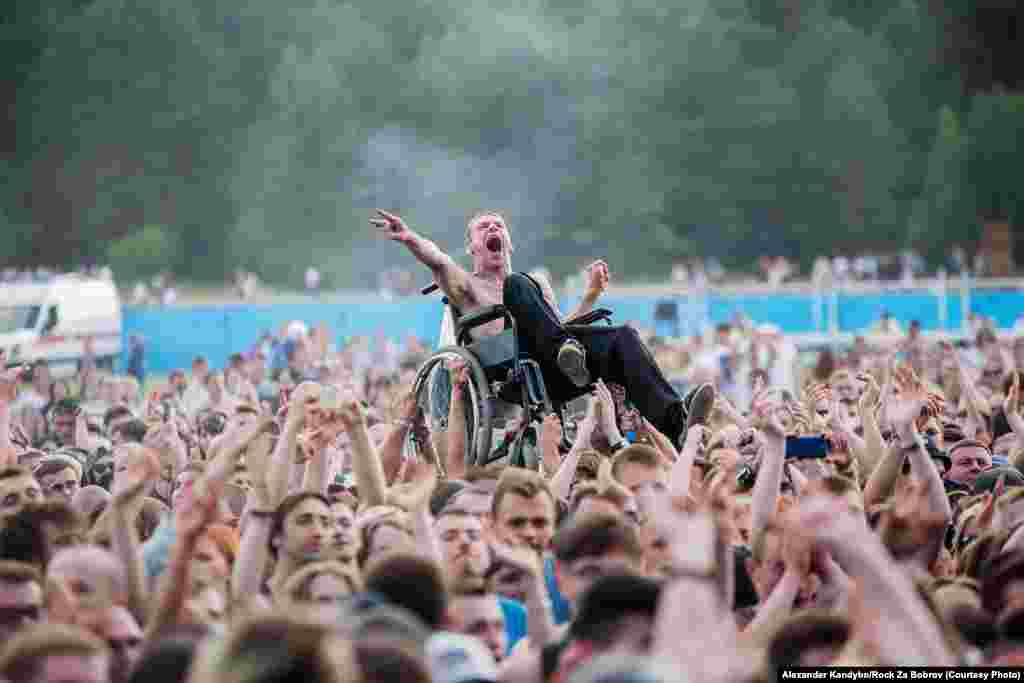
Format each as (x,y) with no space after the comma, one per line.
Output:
(521,558)
(391,226)
(597,277)
(870,397)
(352,414)
(765,412)
(606,411)
(902,410)
(9,380)
(416,497)
(1011,405)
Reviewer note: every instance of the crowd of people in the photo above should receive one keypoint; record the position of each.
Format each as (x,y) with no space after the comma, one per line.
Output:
(295,515)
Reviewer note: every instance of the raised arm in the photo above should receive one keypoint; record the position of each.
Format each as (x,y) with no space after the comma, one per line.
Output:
(247,574)
(597,283)
(366,467)
(449,276)
(8,392)
(887,602)
(124,538)
(196,514)
(769,477)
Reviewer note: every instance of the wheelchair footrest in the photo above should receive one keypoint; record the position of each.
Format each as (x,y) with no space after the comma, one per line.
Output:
(533,383)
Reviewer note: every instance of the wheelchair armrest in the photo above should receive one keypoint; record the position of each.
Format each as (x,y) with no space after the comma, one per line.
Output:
(480,316)
(590,318)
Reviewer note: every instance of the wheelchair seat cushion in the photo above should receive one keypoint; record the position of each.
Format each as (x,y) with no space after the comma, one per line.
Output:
(495,353)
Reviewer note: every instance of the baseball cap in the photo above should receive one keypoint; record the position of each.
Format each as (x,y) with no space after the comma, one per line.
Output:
(458,658)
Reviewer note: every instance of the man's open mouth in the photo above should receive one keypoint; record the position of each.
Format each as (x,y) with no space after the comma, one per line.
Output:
(494,244)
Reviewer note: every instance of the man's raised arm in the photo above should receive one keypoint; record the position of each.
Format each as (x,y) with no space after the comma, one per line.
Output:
(449,276)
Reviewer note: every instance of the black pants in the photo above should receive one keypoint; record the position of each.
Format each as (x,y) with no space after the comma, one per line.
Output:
(614,354)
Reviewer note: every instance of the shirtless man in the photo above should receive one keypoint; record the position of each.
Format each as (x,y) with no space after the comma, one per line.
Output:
(568,355)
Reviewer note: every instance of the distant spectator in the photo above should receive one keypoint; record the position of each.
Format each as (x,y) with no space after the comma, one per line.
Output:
(137,358)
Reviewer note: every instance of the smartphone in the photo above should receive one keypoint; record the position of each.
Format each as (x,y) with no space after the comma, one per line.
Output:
(330,398)
(807,447)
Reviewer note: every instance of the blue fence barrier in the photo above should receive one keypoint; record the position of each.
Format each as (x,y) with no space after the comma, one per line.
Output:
(175,335)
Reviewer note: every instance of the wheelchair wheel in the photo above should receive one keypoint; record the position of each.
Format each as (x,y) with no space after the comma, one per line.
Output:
(433,394)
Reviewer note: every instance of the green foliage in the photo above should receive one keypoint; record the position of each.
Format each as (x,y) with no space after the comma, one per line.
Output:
(145,252)
(264,133)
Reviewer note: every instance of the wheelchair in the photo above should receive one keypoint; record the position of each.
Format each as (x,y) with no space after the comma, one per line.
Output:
(500,377)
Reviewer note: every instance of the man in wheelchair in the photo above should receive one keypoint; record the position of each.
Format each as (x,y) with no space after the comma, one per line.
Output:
(570,355)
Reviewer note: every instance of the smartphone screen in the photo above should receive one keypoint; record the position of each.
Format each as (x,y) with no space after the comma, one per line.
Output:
(801,447)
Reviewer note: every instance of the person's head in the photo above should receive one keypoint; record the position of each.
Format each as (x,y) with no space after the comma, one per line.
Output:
(322,588)
(810,638)
(114,418)
(128,431)
(523,509)
(200,368)
(589,498)
(215,553)
(92,575)
(615,616)
(115,626)
(57,523)
(593,546)
(462,543)
(488,240)
(385,531)
(412,582)
(55,653)
(277,647)
(168,656)
(969,459)
(178,381)
(839,487)
(301,528)
(637,466)
(186,479)
(59,476)
(41,377)
(21,598)
(766,566)
(62,419)
(17,488)
(476,612)
(343,545)
(474,499)
(130,459)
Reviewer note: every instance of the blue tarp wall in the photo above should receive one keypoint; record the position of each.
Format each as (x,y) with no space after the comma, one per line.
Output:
(175,335)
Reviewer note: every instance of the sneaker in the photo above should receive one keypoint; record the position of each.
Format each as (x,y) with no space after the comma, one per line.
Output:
(572,361)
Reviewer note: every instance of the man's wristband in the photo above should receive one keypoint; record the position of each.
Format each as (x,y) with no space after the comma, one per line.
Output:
(619,446)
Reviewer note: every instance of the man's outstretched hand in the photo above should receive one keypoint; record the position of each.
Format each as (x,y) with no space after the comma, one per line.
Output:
(391,226)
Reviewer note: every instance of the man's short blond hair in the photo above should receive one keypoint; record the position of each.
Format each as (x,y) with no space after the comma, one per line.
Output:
(26,651)
(521,482)
(635,454)
(477,216)
(299,585)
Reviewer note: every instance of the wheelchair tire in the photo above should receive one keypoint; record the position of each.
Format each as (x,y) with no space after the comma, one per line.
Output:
(479,430)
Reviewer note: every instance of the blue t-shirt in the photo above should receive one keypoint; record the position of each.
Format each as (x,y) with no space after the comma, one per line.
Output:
(515,620)
(559,605)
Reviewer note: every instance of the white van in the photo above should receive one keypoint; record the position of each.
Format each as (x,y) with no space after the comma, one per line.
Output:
(51,321)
